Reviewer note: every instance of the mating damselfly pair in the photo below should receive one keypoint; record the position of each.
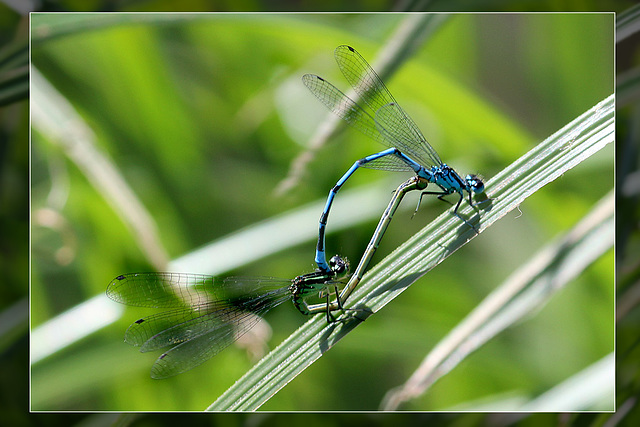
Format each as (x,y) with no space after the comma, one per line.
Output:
(208,314)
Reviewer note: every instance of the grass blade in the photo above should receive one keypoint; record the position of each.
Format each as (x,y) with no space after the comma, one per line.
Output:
(528,289)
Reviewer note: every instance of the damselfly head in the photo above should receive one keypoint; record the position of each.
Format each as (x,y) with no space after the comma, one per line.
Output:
(475,183)
(339,266)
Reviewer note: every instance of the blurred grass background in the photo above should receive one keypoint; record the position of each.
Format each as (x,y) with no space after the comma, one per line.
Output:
(225,92)
(202,115)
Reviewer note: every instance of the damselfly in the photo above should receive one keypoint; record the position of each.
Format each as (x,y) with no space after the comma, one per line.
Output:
(207,313)
(387,123)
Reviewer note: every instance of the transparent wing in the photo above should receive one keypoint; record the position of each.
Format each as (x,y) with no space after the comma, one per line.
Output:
(162,290)
(168,290)
(209,313)
(396,126)
(169,328)
(198,339)
(348,110)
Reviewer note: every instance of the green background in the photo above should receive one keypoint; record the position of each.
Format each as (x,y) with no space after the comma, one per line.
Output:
(202,116)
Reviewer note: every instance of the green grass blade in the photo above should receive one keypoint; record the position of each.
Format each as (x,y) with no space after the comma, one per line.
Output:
(528,289)
(559,153)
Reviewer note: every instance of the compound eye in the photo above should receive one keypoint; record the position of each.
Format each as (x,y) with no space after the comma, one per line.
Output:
(475,183)
(338,264)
